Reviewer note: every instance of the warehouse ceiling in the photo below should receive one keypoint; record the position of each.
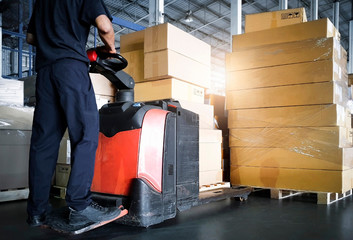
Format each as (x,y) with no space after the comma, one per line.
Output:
(211,20)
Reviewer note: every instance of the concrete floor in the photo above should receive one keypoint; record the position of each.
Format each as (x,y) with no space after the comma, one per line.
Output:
(258,218)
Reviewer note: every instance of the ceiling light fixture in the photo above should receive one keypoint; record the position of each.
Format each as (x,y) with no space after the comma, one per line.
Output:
(188,18)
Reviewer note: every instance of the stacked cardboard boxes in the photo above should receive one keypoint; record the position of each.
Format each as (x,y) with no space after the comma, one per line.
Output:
(221,123)
(15,136)
(168,63)
(287,96)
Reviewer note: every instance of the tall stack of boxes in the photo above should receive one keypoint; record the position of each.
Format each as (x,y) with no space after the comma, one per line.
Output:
(168,63)
(287,96)
(15,136)
(221,123)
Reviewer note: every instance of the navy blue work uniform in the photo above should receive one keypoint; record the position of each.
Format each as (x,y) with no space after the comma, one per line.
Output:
(64,99)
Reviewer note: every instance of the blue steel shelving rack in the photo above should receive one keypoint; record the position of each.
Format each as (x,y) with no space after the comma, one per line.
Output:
(21,36)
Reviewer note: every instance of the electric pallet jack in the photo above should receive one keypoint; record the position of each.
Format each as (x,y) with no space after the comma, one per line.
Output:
(148,154)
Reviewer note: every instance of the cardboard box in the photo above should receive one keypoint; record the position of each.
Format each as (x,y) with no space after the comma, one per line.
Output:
(330,158)
(205,112)
(210,157)
(309,72)
(170,64)
(168,88)
(286,53)
(268,20)
(166,36)
(309,140)
(132,41)
(11,92)
(102,100)
(62,174)
(210,136)
(291,95)
(14,158)
(210,177)
(298,116)
(135,66)
(210,150)
(294,179)
(16,117)
(101,85)
(218,102)
(322,28)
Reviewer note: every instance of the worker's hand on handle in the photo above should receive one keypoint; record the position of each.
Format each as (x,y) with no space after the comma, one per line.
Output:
(106,33)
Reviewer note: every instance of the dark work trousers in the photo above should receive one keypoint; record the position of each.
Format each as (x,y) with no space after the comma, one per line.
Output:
(64,99)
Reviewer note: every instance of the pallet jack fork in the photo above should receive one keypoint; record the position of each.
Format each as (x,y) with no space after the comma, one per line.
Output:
(148,153)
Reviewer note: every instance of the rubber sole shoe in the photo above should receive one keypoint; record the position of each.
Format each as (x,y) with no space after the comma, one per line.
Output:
(94,213)
(36,221)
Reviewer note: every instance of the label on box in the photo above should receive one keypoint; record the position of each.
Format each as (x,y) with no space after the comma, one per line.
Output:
(198,92)
(290,15)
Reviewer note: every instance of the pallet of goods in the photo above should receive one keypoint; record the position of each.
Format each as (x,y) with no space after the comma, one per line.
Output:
(288,116)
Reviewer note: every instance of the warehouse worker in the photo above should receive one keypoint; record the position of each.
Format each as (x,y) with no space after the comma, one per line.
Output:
(65,99)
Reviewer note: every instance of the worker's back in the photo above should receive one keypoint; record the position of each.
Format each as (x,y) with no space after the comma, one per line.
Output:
(61,28)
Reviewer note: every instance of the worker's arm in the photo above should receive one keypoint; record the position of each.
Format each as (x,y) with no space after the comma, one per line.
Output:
(30,39)
(106,32)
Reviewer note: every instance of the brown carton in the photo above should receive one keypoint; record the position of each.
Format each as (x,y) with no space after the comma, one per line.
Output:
(205,112)
(132,41)
(330,158)
(168,88)
(210,135)
(210,177)
(286,53)
(218,102)
(307,140)
(102,100)
(269,20)
(101,85)
(309,72)
(135,67)
(322,28)
(210,156)
(291,95)
(170,64)
(62,174)
(166,36)
(350,79)
(298,116)
(294,179)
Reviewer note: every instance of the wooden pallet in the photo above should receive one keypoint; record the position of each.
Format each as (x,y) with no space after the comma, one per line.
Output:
(328,198)
(214,186)
(13,194)
(322,197)
(58,192)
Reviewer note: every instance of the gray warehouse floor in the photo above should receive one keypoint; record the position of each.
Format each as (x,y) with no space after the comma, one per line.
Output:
(257,218)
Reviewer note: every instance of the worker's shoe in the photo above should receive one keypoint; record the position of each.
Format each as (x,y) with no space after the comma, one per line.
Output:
(37,220)
(93,213)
